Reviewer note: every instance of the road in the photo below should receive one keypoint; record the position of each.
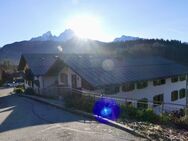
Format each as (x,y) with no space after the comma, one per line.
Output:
(24,119)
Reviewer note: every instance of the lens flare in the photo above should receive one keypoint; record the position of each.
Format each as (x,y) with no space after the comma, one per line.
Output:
(60,48)
(108,65)
(106,108)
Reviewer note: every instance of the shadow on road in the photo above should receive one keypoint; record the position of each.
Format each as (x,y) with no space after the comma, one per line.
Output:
(18,112)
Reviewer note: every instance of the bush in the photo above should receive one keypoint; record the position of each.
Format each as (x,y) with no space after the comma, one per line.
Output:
(165,118)
(29,91)
(181,123)
(20,86)
(19,90)
(79,102)
(1,83)
(130,112)
(150,116)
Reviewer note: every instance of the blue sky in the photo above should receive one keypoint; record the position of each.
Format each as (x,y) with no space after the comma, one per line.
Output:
(23,19)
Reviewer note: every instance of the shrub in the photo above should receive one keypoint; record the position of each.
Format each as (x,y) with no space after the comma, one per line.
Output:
(181,123)
(88,104)
(149,115)
(29,91)
(123,114)
(19,90)
(20,86)
(130,112)
(79,102)
(1,83)
(165,118)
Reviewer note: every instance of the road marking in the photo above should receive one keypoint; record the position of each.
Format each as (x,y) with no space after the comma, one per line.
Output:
(66,128)
(49,128)
(6,109)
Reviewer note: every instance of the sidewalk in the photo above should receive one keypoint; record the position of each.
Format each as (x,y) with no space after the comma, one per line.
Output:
(60,104)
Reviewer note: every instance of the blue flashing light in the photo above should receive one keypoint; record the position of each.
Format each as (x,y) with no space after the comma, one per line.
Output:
(106,112)
(106,108)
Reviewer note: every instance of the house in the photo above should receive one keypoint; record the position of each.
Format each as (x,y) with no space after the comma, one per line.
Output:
(151,79)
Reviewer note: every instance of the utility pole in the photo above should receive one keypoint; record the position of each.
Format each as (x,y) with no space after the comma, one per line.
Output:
(186,96)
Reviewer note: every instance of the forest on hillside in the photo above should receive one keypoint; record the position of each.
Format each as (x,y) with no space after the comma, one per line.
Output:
(171,49)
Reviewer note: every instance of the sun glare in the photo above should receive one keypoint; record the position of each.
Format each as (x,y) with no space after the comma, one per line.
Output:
(86,26)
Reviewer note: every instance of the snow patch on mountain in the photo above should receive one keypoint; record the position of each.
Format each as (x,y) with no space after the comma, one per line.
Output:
(124,38)
(64,36)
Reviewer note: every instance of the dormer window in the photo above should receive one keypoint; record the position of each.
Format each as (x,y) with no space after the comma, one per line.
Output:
(159,82)
(174,79)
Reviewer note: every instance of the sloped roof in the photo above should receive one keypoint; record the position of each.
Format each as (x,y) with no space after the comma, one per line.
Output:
(103,70)
(39,63)
(107,70)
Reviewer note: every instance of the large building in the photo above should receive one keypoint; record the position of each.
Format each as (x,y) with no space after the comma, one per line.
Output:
(151,79)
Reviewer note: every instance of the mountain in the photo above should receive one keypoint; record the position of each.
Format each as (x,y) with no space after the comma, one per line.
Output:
(45,37)
(64,36)
(124,38)
(13,51)
(69,43)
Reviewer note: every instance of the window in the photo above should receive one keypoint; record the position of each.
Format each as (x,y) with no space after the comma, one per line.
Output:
(158,99)
(128,103)
(174,79)
(141,84)
(182,93)
(111,90)
(174,95)
(142,103)
(116,89)
(64,78)
(128,87)
(159,82)
(182,77)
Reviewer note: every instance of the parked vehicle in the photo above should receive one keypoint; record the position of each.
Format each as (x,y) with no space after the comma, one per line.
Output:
(8,84)
(18,82)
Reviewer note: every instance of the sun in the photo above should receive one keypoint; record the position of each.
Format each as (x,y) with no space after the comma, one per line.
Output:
(85,26)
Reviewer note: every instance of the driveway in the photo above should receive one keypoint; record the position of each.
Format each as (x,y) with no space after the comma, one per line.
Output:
(24,119)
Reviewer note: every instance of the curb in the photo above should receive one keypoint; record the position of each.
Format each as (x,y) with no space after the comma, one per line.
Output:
(91,116)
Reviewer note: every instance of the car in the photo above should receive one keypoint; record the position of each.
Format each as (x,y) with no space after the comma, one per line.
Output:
(8,84)
(18,82)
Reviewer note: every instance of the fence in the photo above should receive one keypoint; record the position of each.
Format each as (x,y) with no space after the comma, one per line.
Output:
(60,92)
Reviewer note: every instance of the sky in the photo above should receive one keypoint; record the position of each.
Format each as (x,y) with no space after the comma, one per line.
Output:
(24,19)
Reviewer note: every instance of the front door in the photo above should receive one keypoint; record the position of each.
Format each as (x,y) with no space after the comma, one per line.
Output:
(74,82)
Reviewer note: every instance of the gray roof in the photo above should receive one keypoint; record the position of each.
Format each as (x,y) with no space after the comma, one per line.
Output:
(40,63)
(100,71)
(107,70)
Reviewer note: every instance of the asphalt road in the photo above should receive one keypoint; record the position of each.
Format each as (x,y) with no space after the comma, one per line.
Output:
(23,119)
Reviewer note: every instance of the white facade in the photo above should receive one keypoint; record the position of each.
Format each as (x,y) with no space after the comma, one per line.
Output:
(150,91)
(44,82)
(47,82)
(69,73)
